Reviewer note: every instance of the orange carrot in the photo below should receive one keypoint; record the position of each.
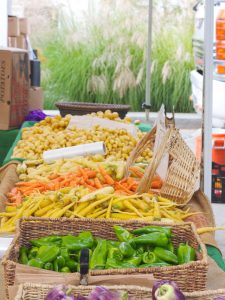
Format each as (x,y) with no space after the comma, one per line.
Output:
(53,176)
(106,176)
(121,186)
(136,172)
(156,184)
(97,183)
(91,174)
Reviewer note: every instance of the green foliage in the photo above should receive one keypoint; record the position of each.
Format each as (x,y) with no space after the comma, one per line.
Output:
(105,62)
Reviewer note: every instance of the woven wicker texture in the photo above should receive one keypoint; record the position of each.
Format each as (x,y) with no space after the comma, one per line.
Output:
(82,108)
(38,292)
(190,277)
(183,173)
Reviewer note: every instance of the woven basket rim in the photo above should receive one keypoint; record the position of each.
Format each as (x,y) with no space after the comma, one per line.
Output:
(136,287)
(82,105)
(206,293)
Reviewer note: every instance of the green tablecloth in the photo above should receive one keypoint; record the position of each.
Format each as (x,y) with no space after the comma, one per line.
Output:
(18,137)
(7,138)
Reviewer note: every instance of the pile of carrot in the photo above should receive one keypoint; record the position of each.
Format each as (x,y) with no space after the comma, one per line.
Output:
(86,177)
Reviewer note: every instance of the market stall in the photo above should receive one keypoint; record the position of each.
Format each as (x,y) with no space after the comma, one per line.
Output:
(136,186)
(93,201)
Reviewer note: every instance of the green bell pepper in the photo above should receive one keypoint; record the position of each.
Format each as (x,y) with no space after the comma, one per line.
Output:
(33,252)
(36,262)
(170,247)
(122,234)
(139,251)
(114,253)
(114,264)
(55,266)
(64,252)
(99,256)
(135,261)
(155,239)
(45,241)
(113,244)
(65,270)
(48,266)
(23,259)
(166,255)
(149,257)
(48,253)
(75,243)
(150,229)
(72,265)
(126,249)
(185,253)
(60,261)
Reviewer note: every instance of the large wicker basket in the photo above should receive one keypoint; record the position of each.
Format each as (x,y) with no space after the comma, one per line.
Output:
(83,108)
(183,173)
(30,291)
(190,276)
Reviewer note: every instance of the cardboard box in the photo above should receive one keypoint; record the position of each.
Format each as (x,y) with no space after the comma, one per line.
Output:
(14,87)
(12,42)
(24,26)
(21,42)
(13,26)
(36,98)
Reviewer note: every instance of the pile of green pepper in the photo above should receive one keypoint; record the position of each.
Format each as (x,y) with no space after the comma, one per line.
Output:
(149,246)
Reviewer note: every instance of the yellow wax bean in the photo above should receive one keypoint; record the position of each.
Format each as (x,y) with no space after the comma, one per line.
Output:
(132,208)
(80,206)
(140,204)
(124,212)
(50,212)
(7,214)
(98,213)
(62,211)
(42,211)
(109,209)
(156,213)
(90,207)
(119,216)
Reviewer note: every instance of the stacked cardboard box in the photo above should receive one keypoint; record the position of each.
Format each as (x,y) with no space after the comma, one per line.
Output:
(14,87)
(17,32)
(17,95)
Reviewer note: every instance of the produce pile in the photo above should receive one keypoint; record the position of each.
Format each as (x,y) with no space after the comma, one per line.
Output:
(33,170)
(52,133)
(86,192)
(149,246)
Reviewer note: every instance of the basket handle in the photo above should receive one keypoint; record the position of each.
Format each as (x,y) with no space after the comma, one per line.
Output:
(146,181)
(84,266)
(139,148)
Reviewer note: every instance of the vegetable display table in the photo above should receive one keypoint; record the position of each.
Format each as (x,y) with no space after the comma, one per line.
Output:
(11,138)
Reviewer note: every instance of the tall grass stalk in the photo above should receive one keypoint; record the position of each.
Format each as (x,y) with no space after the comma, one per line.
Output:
(104,61)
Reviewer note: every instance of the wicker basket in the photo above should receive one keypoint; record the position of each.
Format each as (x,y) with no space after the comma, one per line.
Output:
(30,291)
(183,174)
(83,108)
(205,295)
(190,276)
